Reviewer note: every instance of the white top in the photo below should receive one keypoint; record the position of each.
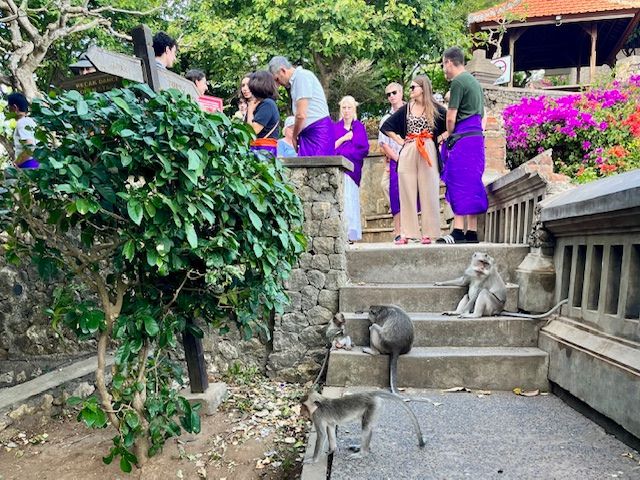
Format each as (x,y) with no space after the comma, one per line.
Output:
(304,84)
(383,139)
(24,132)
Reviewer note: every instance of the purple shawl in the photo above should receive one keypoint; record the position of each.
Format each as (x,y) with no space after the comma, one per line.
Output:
(316,139)
(463,169)
(355,149)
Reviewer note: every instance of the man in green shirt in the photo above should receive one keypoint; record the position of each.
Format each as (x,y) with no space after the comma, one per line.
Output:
(463,151)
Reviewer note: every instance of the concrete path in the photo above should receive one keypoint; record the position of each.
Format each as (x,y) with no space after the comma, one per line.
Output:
(498,436)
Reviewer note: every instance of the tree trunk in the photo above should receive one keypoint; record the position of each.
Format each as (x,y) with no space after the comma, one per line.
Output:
(7,144)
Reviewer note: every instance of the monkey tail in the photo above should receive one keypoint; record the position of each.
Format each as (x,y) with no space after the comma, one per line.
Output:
(536,317)
(393,372)
(324,364)
(414,419)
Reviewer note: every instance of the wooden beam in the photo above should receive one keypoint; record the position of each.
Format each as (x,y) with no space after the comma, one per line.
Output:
(611,60)
(513,38)
(592,57)
(143,49)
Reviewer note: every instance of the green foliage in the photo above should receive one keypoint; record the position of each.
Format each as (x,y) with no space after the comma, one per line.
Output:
(231,37)
(163,215)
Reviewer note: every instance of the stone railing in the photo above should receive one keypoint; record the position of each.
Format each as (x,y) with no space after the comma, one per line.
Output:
(514,199)
(594,346)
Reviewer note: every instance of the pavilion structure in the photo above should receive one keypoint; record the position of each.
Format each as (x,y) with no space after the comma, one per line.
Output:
(553,34)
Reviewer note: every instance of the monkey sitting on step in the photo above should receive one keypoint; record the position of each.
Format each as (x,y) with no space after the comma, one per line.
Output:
(487,291)
(327,413)
(390,332)
(336,340)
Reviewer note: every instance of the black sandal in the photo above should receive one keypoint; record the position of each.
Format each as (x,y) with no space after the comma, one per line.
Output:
(450,240)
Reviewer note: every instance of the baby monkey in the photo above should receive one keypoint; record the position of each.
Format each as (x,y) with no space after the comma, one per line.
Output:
(328,413)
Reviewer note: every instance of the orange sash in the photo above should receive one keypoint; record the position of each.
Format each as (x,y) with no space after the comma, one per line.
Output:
(422,149)
(264,142)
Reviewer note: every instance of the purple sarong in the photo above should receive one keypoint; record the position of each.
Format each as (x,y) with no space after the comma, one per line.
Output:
(355,149)
(317,139)
(463,169)
(31,163)
(394,188)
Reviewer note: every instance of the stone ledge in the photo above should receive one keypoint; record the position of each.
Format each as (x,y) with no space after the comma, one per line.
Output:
(317,162)
(611,194)
(599,369)
(23,392)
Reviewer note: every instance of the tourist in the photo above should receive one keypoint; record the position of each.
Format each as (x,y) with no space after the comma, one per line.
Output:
(241,113)
(165,49)
(24,134)
(199,79)
(262,112)
(312,131)
(352,143)
(244,94)
(285,144)
(391,151)
(463,151)
(416,126)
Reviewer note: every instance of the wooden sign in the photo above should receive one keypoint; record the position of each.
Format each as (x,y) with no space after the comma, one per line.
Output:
(92,82)
(117,66)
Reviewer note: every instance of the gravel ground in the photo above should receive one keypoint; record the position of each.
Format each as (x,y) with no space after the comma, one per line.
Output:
(497,436)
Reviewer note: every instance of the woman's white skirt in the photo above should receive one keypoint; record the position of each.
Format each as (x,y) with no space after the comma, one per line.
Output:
(352,208)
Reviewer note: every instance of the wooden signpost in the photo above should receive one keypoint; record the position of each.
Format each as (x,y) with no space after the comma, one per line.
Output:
(112,68)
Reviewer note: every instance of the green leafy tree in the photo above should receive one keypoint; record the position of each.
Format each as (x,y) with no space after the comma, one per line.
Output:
(154,216)
(231,37)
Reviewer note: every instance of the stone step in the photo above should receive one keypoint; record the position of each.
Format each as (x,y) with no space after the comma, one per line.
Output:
(490,368)
(416,263)
(413,298)
(385,234)
(435,330)
(51,382)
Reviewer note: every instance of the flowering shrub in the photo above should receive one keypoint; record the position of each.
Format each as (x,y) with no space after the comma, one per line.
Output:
(592,134)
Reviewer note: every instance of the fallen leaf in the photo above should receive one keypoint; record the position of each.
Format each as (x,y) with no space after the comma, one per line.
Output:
(456,389)
(517,391)
(531,393)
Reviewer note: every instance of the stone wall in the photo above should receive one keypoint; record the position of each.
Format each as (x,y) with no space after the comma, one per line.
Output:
(28,344)
(297,348)
(315,281)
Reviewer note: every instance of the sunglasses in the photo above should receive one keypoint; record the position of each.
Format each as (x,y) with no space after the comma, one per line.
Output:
(391,93)
(413,87)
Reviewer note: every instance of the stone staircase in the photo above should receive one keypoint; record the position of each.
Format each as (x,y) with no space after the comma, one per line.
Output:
(494,353)
(378,227)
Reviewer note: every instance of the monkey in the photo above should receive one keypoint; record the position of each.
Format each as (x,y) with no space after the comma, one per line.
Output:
(336,339)
(335,334)
(390,332)
(327,413)
(487,292)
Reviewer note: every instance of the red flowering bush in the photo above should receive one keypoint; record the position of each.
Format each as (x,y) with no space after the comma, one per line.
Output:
(592,134)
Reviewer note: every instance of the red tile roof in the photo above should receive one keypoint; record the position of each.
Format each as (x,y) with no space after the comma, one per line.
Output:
(549,8)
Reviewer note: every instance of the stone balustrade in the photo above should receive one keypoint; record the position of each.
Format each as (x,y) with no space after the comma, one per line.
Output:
(514,199)
(594,346)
